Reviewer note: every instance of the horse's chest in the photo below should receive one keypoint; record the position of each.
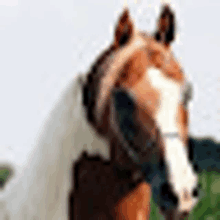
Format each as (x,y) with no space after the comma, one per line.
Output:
(169,97)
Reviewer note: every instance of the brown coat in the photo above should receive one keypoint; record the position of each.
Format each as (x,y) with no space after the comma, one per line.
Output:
(105,190)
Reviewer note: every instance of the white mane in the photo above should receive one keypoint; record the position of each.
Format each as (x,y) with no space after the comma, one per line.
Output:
(41,191)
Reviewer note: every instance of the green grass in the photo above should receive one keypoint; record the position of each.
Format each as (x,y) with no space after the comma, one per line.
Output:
(209,206)
(4,174)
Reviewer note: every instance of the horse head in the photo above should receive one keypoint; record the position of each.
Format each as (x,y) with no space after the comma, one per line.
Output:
(136,94)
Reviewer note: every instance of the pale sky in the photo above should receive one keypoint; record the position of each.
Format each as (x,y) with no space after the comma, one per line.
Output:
(9,2)
(44,43)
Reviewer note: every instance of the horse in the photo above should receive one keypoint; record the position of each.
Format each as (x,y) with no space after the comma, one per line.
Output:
(142,67)
(140,71)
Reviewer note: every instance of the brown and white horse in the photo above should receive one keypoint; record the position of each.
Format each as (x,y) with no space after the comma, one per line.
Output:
(143,67)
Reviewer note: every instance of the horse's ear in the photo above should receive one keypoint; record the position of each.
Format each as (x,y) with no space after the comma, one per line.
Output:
(124,29)
(165,32)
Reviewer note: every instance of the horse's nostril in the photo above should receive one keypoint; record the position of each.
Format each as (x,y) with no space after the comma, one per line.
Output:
(195,193)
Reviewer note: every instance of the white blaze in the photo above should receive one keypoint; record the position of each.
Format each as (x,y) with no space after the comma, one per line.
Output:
(182,176)
(169,99)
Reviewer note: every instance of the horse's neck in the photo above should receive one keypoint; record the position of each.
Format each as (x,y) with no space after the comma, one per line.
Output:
(49,173)
(72,136)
